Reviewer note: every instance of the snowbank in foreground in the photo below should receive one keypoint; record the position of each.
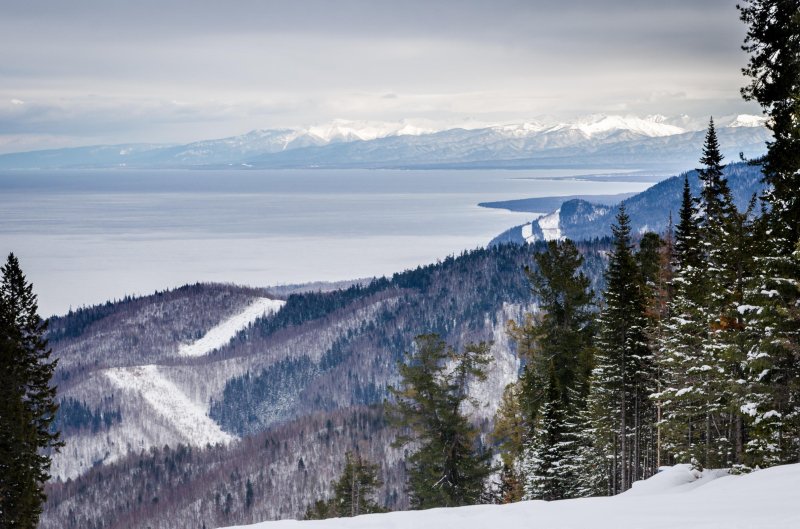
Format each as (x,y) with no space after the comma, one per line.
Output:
(674,498)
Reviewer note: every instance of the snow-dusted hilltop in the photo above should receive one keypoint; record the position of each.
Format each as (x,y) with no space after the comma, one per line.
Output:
(597,141)
(651,126)
(586,219)
(676,497)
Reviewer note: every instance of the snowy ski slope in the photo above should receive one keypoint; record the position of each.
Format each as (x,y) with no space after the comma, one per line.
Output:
(223,332)
(167,400)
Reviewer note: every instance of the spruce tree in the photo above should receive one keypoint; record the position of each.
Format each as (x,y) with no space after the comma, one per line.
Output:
(772,402)
(557,346)
(510,430)
(623,416)
(357,487)
(353,492)
(682,360)
(27,401)
(773,41)
(450,467)
(564,330)
(560,335)
(702,346)
(700,349)
(550,463)
(712,178)
(655,262)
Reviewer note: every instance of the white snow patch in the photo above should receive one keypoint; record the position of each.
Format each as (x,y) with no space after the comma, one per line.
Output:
(501,371)
(651,126)
(680,478)
(550,226)
(527,232)
(189,419)
(749,409)
(743,309)
(676,497)
(227,329)
(748,120)
(346,130)
(520,130)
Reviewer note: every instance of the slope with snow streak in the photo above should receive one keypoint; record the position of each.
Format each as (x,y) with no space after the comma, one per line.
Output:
(190,420)
(227,329)
(550,225)
(765,499)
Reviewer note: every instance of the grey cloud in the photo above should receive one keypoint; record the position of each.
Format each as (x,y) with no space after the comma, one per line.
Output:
(244,64)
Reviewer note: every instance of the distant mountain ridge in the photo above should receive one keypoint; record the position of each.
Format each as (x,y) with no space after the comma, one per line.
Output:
(650,210)
(599,141)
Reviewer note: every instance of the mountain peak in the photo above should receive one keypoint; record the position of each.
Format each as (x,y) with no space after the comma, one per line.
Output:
(747,120)
(651,126)
(346,130)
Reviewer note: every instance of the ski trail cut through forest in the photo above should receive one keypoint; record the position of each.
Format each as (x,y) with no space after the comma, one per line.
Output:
(187,418)
(224,331)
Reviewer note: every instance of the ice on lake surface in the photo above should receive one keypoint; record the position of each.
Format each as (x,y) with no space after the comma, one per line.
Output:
(85,237)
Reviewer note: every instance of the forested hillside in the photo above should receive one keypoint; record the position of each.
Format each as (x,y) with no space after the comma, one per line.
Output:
(321,353)
(268,476)
(650,210)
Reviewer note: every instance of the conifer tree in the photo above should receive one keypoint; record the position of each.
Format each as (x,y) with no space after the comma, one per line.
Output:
(714,184)
(702,346)
(510,430)
(682,361)
(655,258)
(449,468)
(560,336)
(590,464)
(772,404)
(321,510)
(27,401)
(773,41)
(548,462)
(557,346)
(353,492)
(564,332)
(649,258)
(623,416)
(356,488)
(700,349)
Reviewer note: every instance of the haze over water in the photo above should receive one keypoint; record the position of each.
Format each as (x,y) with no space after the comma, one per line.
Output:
(85,237)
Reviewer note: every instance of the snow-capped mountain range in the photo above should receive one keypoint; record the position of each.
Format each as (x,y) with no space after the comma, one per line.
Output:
(597,140)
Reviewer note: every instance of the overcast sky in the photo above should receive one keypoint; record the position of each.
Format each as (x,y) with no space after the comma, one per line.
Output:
(78,72)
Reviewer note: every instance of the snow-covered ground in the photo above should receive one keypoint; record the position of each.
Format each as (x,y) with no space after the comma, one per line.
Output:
(550,225)
(168,401)
(675,498)
(227,329)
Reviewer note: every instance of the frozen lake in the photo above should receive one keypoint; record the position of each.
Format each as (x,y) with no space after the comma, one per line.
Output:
(84,237)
